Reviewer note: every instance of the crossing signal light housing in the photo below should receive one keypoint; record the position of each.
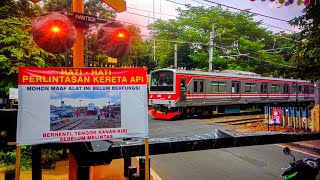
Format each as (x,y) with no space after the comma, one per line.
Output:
(114,40)
(54,32)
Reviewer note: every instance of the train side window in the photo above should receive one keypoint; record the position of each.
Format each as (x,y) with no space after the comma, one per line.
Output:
(201,86)
(275,88)
(250,87)
(286,89)
(195,86)
(183,84)
(217,87)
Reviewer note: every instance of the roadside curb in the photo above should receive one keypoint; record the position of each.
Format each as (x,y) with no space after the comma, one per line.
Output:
(310,147)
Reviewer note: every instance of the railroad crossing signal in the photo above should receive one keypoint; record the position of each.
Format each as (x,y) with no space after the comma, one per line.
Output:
(56,33)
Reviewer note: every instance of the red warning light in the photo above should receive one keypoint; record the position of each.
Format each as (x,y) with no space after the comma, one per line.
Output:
(54,32)
(120,35)
(55,29)
(114,40)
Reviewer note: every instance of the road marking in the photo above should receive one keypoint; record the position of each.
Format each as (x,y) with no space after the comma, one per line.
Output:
(154,175)
(310,154)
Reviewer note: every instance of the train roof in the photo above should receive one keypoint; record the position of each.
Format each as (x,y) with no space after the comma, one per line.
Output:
(231,73)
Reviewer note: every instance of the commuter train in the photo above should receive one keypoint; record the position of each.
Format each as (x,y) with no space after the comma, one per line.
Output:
(91,109)
(177,92)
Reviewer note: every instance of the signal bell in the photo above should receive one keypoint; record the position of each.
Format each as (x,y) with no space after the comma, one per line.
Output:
(54,32)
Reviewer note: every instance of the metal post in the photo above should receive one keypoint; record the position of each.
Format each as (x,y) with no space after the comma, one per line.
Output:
(131,170)
(36,163)
(147,160)
(175,56)
(83,172)
(18,158)
(135,176)
(126,164)
(211,48)
(142,169)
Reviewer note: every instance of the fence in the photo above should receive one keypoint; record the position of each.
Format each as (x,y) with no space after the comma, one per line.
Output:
(292,118)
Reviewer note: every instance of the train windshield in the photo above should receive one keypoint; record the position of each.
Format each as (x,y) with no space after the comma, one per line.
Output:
(161,81)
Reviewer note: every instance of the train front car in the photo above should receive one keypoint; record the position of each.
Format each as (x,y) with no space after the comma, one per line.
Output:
(164,93)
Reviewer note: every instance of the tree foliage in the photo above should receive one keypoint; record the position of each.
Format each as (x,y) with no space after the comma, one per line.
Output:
(236,33)
(306,55)
(17,47)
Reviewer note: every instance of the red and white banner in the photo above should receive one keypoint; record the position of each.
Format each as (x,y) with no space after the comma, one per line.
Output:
(81,104)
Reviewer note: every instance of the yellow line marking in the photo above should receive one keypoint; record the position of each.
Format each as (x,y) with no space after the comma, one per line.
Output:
(310,154)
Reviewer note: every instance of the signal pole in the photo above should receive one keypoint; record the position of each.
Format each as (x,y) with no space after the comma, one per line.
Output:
(78,61)
(78,47)
(211,48)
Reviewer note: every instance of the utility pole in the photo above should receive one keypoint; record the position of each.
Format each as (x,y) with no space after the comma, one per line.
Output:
(154,41)
(211,48)
(175,56)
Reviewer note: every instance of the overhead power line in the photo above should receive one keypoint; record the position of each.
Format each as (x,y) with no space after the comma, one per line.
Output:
(279,27)
(231,7)
(152,12)
(265,24)
(258,14)
(248,55)
(176,2)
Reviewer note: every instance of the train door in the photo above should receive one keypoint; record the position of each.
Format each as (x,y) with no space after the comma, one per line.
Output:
(198,92)
(305,92)
(264,92)
(183,90)
(235,92)
(286,92)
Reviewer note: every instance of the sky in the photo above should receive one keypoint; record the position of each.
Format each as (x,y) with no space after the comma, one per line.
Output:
(99,98)
(137,11)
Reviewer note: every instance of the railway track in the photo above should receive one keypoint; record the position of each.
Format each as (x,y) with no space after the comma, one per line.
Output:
(70,125)
(238,120)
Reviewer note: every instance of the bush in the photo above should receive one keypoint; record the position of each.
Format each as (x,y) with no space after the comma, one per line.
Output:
(48,158)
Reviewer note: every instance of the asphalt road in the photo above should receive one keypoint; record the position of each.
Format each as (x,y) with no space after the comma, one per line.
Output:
(247,163)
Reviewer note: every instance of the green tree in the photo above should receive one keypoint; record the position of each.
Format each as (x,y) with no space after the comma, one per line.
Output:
(17,47)
(236,33)
(306,55)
